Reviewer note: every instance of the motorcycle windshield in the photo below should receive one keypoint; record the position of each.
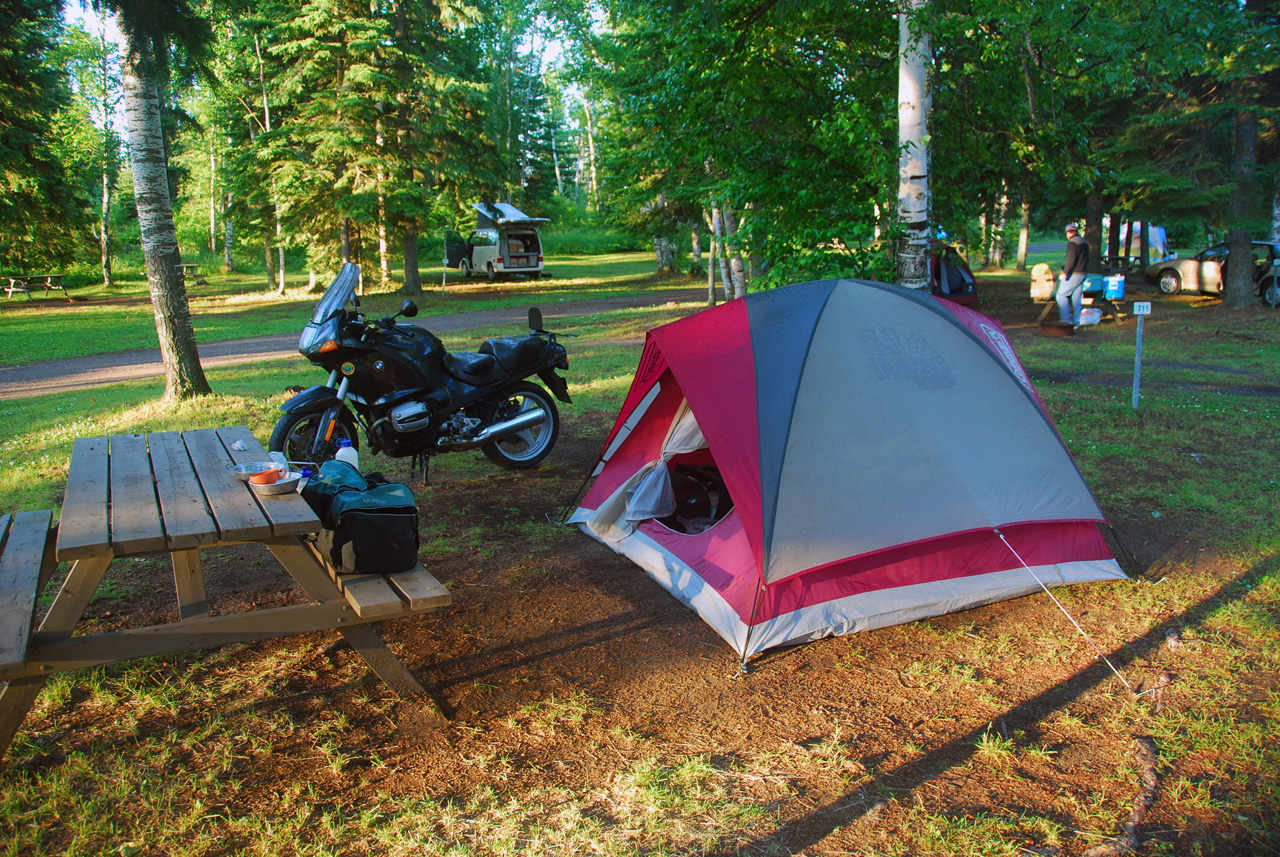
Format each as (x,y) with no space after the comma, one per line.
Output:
(341,290)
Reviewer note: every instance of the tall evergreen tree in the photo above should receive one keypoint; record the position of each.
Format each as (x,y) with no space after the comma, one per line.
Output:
(42,211)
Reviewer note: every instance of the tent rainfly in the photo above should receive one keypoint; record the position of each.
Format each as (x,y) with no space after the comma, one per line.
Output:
(838,456)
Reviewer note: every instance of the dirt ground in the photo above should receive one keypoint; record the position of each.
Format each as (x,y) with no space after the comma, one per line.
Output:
(546,616)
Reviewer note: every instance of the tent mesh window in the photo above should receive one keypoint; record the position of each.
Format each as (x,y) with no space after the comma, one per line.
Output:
(701,497)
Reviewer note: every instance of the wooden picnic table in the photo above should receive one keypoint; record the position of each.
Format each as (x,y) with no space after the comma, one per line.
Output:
(173,492)
(26,282)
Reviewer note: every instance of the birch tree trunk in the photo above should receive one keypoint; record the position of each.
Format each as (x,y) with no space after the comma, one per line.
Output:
(213,196)
(695,250)
(913,150)
(104,235)
(270,260)
(717,226)
(736,265)
(183,376)
(1024,232)
(711,262)
(228,260)
(997,233)
(593,189)
(266,124)
(711,274)
(384,256)
(555,162)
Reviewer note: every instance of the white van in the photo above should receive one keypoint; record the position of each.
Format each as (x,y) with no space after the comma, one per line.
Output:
(504,242)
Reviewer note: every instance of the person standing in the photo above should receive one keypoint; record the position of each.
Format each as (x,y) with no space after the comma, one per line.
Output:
(1070,294)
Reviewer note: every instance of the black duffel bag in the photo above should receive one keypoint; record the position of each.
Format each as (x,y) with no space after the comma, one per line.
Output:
(369,525)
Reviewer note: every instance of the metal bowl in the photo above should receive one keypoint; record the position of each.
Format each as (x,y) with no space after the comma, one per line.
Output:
(244,471)
(286,484)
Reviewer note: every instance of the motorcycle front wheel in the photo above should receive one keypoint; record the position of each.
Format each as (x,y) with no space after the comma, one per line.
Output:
(294,434)
(525,448)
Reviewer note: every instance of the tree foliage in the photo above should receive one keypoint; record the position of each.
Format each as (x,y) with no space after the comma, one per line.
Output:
(43,207)
(323,125)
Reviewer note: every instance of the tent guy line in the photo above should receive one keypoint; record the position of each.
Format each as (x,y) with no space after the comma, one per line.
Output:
(1071,618)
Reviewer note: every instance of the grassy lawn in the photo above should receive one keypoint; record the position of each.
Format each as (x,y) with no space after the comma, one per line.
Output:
(1189,479)
(239,306)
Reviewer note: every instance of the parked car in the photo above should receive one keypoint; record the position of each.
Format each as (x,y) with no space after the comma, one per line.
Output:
(1205,272)
(504,242)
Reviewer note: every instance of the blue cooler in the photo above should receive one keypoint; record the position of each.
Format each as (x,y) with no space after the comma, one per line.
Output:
(1113,287)
(1092,284)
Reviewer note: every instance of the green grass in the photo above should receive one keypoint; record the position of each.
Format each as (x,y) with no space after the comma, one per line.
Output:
(238,306)
(1200,451)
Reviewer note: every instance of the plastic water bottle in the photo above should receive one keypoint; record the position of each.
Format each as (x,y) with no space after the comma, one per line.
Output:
(346,452)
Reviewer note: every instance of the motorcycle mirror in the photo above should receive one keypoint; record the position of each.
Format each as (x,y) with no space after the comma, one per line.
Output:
(535,318)
(408,309)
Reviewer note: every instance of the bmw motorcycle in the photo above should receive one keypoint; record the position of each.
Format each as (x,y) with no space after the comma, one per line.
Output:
(411,397)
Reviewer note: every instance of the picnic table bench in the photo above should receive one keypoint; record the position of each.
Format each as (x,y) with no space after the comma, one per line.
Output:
(174,492)
(26,282)
(1093,296)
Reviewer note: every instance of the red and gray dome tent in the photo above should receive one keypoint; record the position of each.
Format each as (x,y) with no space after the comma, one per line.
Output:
(838,456)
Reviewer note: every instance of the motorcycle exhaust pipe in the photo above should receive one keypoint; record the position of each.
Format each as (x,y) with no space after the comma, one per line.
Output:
(498,431)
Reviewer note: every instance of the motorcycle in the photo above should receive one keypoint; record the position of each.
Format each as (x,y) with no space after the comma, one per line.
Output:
(411,397)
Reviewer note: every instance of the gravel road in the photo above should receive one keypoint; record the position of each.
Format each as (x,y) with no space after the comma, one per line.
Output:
(81,373)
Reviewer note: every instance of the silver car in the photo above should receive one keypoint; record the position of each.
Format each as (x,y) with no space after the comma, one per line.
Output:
(1205,272)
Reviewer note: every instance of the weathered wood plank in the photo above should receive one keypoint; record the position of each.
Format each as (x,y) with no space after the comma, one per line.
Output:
(83,528)
(76,592)
(390,669)
(306,567)
(20,563)
(188,523)
(238,515)
(202,632)
(188,579)
(289,514)
(135,512)
(420,589)
(370,596)
(16,699)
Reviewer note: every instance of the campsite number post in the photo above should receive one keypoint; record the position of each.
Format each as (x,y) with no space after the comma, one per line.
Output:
(1141,309)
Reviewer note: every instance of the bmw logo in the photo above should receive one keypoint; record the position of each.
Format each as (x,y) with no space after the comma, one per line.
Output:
(377,364)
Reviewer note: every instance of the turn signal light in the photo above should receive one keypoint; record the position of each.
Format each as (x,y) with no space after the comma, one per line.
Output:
(331,345)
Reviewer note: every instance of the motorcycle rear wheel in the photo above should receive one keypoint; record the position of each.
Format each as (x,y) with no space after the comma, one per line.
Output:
(524,449)
(295,432)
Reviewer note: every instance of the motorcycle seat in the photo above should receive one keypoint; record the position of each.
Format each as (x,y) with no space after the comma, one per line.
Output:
(514,352)
(474,369)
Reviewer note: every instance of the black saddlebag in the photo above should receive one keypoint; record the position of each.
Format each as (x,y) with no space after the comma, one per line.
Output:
(370,525)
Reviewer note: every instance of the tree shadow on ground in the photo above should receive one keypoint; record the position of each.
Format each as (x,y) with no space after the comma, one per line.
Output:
(808,831)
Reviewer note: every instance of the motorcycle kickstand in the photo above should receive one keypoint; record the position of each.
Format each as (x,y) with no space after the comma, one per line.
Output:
(422,462)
